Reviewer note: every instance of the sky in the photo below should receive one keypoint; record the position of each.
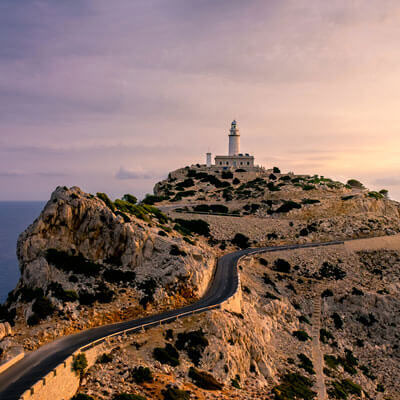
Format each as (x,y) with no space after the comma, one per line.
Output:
(111,96)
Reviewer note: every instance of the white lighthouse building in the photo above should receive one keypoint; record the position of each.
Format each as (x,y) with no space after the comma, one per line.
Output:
(235,158)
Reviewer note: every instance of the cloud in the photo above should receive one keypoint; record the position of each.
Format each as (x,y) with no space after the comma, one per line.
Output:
(126,174)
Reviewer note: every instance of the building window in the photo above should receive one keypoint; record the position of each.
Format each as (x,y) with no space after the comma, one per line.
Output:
(248,163)
(227,163)
(220,163)
(241,162)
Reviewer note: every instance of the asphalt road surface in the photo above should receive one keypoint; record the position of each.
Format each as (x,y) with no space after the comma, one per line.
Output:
(25,373)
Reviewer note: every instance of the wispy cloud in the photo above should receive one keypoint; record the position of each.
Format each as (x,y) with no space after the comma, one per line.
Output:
(128,174)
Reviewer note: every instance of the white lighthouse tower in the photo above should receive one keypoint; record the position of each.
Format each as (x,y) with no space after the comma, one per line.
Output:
(234,140)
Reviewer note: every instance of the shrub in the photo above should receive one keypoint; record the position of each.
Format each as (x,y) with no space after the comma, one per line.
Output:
(380,388)
(325,335)
(304,319)
(126,396)
(82,396)
(308,187)
(129,198)
(294,386)
(263,261)
(310,201)
(354,183)
(337,320)
(105,358)
(204,380)
(42,308)
(104,294)
(236,181)
(327,293)
(235,383)
(219,208)
(202,208)
(241,241)
(287,206)
(349,197)
(194,226)
(306,363)
(271,296)
(331,361)
(367,320)
(342,389)
(331,271)
(72,263)
(194,343)
(151,199)
(106,200)
(240,170)
(226,175)
(276,170)
(141,374)
(168,355)
(86,298)
(301,335)
(357,292)
(149,287)
(29,294)
(281,265)
(375,195)
(176,251)
(64,295)
(173,393)
(116,276)
(80,364)
(384,193)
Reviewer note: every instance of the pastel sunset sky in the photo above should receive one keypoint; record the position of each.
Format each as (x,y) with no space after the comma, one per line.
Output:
(111,95)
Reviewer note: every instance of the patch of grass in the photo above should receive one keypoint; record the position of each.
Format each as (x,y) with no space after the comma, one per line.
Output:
(204,380)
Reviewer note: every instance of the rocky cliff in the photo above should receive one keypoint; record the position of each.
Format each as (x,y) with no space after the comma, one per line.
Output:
(85,263)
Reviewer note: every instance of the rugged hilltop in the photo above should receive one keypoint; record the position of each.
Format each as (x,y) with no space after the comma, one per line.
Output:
(88,261)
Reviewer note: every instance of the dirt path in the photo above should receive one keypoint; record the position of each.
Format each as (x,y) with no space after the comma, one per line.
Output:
(316,348)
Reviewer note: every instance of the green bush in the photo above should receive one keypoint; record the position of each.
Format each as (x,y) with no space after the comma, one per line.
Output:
(328,270)
(375,195)
(276,170)
(80,364)
(202,208)
(235,383)
(301,335)
(219,209)
(204,380)
(281,265)
(342,389)
(168,355)
(173,393)
(331,361)
(308,187)
(151,199)
(106,200)
(197,226)
(141,374)
(129,198)
(304,319)
(325,336)
(58,291)
(310,201)
(354,183)
(288,206)
(227,175)
(241,241)
(306,363)
(294,387)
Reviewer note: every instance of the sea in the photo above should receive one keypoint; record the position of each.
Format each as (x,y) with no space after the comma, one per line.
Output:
(15,217)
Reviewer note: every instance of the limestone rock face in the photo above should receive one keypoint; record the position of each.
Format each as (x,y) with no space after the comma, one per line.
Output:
(82,226)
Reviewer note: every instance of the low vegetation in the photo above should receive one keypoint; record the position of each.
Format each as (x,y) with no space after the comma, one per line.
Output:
(204,380)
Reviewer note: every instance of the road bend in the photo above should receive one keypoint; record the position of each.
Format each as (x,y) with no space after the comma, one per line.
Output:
(35,365)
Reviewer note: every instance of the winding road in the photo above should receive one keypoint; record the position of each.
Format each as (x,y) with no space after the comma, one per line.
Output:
(24,374)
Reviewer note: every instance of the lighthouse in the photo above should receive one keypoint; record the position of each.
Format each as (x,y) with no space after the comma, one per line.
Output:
(234,140)
(234,159)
